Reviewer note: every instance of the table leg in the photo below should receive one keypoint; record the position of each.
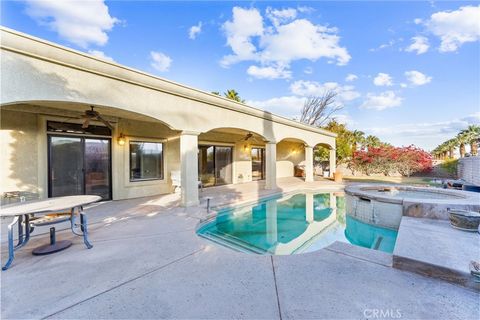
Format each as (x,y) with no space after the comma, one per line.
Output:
(11,254)
(83,224)
(20,231)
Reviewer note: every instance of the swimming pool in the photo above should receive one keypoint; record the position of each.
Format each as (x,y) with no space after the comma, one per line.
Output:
(296,223)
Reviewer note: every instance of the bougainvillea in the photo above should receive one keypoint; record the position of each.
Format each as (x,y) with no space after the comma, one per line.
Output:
(388,160)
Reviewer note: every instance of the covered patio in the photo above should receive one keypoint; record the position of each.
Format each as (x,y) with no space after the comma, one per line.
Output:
(89,126)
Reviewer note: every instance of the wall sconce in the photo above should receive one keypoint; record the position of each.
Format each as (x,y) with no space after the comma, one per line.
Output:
(246,148)
(121,140)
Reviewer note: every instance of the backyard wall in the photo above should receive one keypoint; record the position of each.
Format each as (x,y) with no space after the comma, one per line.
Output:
(469,170)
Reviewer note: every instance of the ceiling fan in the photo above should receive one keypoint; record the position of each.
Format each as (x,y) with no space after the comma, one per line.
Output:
(249,136)
(95,116)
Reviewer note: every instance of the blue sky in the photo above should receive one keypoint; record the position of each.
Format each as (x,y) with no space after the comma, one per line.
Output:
(408,72)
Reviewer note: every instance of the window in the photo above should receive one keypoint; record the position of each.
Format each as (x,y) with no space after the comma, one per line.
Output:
(146,161)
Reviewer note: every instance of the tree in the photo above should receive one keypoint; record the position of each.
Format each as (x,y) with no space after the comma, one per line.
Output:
(317,110)
(450,145)
(372,142)
(233,95)
(343,143)
(461,139)
(472,136)
(216,93)
(358,138)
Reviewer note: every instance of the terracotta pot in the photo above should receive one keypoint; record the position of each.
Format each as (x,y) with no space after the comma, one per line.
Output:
(337,176)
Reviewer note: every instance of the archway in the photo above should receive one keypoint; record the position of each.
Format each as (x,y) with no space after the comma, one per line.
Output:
(230,155)
(68,155)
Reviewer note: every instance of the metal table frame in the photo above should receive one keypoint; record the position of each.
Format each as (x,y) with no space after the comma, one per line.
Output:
(25,227)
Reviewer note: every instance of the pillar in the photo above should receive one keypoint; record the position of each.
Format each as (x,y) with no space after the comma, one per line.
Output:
(271,165)
(309,210)
(271,217)
(308,164)
(333,161)
(189,168)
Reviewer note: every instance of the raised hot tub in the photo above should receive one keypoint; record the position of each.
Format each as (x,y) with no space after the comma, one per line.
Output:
(385,205)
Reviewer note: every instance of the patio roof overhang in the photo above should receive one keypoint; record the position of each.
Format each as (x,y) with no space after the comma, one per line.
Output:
(38,72)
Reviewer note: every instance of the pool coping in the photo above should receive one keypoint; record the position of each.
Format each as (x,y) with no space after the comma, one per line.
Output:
(432,248)
(463,197)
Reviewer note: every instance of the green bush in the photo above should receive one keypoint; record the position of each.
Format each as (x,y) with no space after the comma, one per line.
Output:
(450,166)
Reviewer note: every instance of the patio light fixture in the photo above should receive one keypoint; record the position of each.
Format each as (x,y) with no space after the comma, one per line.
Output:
(121,140)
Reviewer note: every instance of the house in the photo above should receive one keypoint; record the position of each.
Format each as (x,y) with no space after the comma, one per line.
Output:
(72,123)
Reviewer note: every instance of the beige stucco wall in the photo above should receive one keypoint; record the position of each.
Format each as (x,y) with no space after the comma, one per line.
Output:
(289,154)
(45,76)
(18,152)
(40,72)
(122,187)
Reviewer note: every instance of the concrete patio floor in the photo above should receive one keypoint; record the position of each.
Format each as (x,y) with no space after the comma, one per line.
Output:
(147,262)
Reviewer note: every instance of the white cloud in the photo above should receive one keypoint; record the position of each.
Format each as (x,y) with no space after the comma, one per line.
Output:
(245,24)
(195,30)
(308,70)
(288,106)
(160,61)
(382,101)
(313,88)
(454,28)
(419,45)
(383,79)
(285,40)
(351,77)
(271,72)
(417,78)
(80,22)
(100,55)
(425,134)
(278,16)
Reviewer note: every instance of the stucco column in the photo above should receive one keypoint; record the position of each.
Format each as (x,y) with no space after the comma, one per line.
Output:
(271,212)
(309,214)
(333,161)
(308,164)
(189,168)
(271,165)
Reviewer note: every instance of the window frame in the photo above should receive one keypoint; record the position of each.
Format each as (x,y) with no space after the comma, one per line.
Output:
(162,161)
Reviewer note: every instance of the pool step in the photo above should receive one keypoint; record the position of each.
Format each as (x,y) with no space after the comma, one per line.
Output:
(231,242)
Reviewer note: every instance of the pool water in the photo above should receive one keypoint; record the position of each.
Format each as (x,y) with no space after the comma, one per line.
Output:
(297,223)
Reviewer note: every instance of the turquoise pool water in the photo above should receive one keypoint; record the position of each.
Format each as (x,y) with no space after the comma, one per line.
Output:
(298,223)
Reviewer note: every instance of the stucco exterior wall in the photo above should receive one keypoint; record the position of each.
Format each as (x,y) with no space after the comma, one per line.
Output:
(122,187)
(18,152)
(36,71)
(289,154)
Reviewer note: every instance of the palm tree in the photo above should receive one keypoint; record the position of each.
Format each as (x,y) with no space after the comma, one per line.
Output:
(450,145)
(233,95)
(372,142)
(216,93)
(461,140)
(358,137)
(472,136)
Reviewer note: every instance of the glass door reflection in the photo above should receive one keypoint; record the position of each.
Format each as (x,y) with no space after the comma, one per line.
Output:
(215,165)
(65,166)
(258,164)
(97,167)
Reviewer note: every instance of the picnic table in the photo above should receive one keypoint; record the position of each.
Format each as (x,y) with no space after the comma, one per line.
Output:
(44,212)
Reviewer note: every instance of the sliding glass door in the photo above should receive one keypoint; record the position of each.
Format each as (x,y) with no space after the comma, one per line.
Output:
(215,165)
(258,164)
(79,165)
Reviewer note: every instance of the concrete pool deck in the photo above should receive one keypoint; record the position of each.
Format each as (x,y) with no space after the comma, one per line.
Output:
(147,262)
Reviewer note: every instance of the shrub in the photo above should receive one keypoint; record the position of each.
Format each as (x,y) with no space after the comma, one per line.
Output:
(387,159)
(450,166)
